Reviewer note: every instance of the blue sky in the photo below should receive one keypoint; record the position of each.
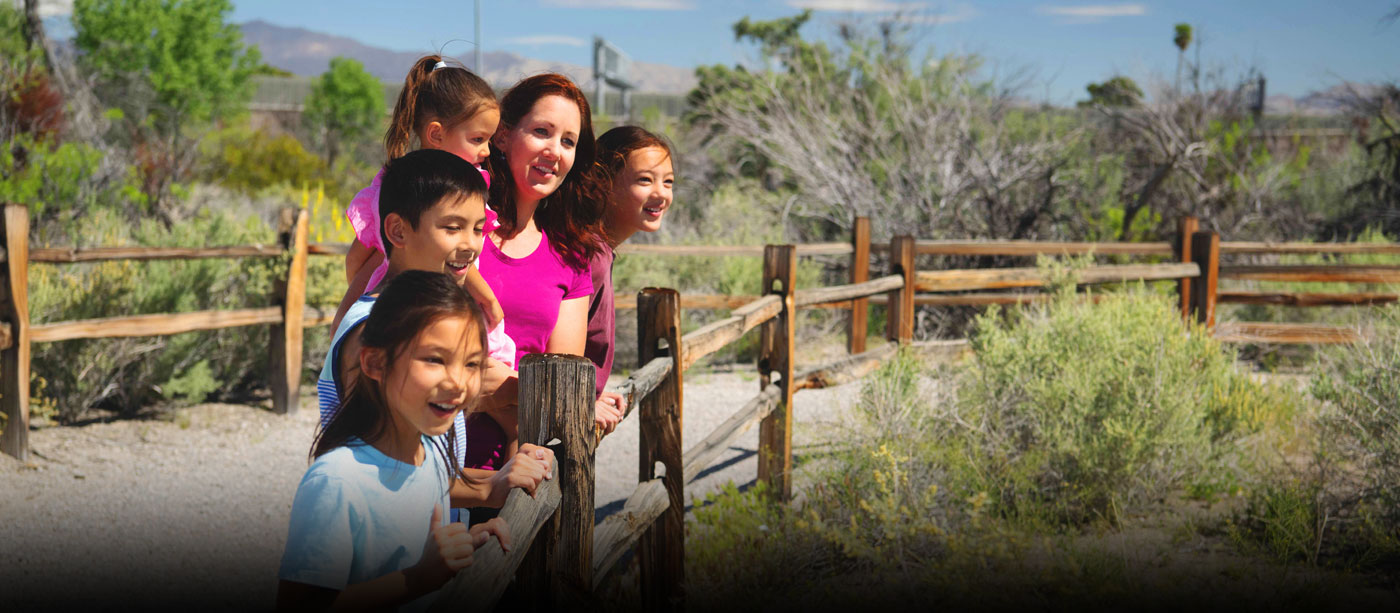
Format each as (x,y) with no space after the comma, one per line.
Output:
(1300,46)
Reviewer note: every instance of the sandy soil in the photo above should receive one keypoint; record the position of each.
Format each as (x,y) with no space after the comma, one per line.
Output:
(192,512)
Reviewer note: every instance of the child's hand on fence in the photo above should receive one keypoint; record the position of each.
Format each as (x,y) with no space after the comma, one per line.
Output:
(449,549)
(608,412)
(482,532)
(525,470)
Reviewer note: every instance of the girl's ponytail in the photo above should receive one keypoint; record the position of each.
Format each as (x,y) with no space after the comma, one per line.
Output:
(434,91)
(403,124)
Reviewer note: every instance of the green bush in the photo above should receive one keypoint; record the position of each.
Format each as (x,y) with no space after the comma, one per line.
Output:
(1078,410)
(129,373)
(1361,384)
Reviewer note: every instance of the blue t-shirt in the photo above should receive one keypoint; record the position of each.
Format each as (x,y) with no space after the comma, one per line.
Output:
(359,515)
(328,383)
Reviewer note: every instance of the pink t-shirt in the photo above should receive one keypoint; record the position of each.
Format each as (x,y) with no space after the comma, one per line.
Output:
(363,214)
(530,290)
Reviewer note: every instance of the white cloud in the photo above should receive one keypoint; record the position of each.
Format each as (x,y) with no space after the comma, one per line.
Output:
(857,6)
(642,5)
(963,12)
(547,39)
(1092,13)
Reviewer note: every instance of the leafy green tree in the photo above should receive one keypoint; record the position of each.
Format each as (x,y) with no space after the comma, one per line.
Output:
(1118,91)
(171,67)
(345,106)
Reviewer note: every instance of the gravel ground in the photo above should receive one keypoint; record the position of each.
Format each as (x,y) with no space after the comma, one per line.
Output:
(193,512)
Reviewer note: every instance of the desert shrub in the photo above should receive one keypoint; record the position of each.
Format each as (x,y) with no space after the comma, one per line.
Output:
(254,160)
(128,373)
(1078,410)
(1361,384)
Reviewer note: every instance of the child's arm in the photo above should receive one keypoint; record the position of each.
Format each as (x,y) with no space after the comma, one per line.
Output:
(358,285)
(500,388)
(481,292)
(448,550)
(488,488)
(360,256)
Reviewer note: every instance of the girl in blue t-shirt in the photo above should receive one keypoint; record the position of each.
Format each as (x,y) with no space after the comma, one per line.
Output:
(367,525)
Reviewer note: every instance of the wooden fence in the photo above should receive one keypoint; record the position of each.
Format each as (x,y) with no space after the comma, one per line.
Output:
(560,556)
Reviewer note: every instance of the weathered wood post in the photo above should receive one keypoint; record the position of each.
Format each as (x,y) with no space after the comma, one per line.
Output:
(661,549)
(14,312)
(286,345)
(775,354)
(556,401)
(900,309)
(1189,226)
(860,273)
(1205,251)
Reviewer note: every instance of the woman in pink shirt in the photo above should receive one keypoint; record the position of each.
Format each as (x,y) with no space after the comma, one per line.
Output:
(549,225)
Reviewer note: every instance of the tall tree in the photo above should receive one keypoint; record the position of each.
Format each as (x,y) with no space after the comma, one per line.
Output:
(171,67)
(1182,39)
(346,104)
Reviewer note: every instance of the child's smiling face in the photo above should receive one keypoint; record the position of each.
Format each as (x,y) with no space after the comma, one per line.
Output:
(470,139)
(641,193)
(436,375)
(446,239)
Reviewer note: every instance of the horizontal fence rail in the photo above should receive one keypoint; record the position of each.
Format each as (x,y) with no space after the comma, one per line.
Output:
(957,280)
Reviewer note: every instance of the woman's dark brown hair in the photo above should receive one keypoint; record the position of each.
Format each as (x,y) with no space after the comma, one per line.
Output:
(573,215)
(447,95)
(413,301)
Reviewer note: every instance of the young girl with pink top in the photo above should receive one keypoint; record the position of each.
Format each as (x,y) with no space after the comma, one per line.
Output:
(446,108)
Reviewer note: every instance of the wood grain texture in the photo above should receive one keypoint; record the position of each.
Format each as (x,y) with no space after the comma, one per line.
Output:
(860,273)
(617,533)
(1205,254)
(478,587)
(103,254)
(899,310)
(710,338)
(285,363)
(729,250)
(1284,334)
(556,401)
(776,354)
(1319,273)
(661,547)
(1305,299)
(1001,278)
(14,310)
(643,381)
(154,325)
(1032,248)
(1185,229)
(701,455)
(841,293)
(1304,248)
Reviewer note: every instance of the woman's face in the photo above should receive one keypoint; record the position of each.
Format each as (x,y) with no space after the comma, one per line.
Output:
(540,148)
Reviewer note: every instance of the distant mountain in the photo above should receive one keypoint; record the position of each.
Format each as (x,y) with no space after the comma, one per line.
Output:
(1330,101)
(307,53)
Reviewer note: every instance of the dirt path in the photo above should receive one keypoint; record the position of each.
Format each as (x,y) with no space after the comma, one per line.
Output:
(193,512)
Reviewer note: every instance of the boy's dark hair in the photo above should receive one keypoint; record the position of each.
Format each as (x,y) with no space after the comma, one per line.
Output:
(417,181)
(413,301)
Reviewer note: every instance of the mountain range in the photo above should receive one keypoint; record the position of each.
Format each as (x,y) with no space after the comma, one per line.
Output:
(307,53)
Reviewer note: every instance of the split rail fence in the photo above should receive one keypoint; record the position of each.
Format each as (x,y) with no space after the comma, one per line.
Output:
(561,556)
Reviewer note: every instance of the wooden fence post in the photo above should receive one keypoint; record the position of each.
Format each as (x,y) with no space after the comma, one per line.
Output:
(286,346)
(556,401)
(1189,226)
(661,549)
(1205,251)
(900,308)
(860,273)
(775,353)
(14,311)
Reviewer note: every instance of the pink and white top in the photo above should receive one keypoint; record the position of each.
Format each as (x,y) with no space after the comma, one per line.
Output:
(363,214)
